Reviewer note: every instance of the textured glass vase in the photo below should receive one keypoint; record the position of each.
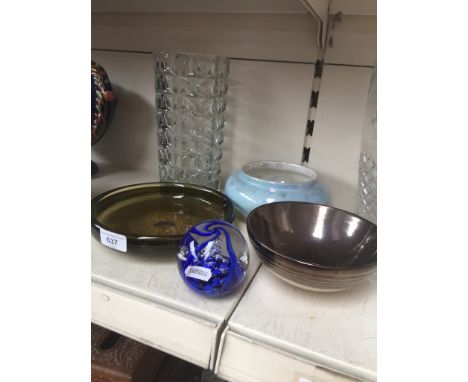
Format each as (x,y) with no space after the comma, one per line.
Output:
(190,102)
(368,157)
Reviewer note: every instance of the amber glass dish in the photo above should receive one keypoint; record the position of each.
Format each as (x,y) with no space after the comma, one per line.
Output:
(150,214)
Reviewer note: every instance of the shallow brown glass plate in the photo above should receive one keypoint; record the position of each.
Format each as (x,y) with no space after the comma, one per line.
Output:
(150,214)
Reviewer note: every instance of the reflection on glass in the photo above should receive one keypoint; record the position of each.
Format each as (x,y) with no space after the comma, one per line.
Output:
(318,229)
(353,224)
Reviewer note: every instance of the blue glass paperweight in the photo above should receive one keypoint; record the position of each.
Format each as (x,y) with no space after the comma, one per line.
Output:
(213,258)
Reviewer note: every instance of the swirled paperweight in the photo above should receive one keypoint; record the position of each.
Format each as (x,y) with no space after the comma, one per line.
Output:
(213,258)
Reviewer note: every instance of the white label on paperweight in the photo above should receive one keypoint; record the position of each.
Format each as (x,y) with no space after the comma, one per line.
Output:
(199,273)
(113,240)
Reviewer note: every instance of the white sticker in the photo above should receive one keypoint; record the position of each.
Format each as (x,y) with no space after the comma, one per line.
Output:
(113,240)
(200,273)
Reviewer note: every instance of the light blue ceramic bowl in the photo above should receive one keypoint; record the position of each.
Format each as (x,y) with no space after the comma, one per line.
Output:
(264,182)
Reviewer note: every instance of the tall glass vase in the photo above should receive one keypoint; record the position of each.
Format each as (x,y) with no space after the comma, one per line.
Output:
(368,157)
(190,103)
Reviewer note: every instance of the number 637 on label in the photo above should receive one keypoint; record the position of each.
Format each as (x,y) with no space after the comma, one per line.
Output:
(113,240)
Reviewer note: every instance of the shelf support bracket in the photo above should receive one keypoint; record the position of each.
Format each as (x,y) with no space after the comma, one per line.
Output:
(319,10)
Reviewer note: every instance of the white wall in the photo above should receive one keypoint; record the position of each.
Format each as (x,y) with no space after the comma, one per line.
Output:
(336,143)
(287,37)
(265,119)
(354,41)
(269,86)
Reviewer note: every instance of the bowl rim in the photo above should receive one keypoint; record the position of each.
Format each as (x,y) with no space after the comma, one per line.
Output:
(229,211)
(263,246)
(306,171)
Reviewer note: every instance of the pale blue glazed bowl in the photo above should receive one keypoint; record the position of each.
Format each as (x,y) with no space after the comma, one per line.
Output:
(264,182)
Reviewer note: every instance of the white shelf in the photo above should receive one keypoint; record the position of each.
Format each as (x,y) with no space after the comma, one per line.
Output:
(143,297)
(109,177)
(281,333)
(272,332)
(199,6)
(317,8)
(354,7)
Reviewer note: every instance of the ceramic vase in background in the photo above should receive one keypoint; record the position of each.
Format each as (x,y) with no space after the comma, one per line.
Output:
(103,103)
(368,156)
(264,182)
(190,103)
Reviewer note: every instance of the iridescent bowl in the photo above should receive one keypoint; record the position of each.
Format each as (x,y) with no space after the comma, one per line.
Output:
(312,246)
(265,182)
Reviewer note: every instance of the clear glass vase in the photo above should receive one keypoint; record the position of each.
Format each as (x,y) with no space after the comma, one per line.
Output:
(190,102)
(368,156)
